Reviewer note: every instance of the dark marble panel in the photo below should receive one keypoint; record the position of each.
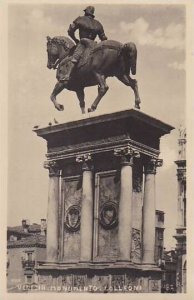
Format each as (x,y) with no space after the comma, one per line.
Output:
(72,203)
(109,191)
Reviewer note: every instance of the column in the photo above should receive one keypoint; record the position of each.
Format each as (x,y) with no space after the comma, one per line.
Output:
(149,209)
(125,203)
(86,227)
(52,211)
(181,196)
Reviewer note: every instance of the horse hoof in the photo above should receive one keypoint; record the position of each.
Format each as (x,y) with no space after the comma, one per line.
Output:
(59,107)
(83,111)
(137,106)
(91,109)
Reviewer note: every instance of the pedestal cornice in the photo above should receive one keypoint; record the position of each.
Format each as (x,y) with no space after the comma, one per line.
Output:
(100,146)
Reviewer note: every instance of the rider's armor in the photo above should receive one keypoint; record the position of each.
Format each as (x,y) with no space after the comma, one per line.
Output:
(89,28)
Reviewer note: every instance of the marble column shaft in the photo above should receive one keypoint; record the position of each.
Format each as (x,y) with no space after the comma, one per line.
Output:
(86,228)
(125,203)
(52,211)
(149,208)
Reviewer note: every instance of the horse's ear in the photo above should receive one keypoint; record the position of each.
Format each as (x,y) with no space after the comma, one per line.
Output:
(48,38)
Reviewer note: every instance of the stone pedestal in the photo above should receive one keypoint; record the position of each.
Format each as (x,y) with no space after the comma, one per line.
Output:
(98,220)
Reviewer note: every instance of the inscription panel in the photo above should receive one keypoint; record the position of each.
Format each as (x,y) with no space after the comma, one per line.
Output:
(72,193)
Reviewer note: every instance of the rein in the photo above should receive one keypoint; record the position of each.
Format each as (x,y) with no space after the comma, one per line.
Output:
(60,60)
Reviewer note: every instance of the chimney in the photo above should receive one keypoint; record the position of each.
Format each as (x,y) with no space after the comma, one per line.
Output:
(43,226)
(25,225)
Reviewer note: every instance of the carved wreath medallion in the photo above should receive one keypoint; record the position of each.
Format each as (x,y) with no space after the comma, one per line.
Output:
(72,218)
(109,215)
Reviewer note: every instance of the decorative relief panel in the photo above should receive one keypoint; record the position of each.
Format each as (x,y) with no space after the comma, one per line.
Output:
(79,281)
(43,279)
(137,200)
(118,282)
(136,252)
(67,280)
(137,175)
(106,204)
(154,285)
(101,283)
(72,218)
(131,280)
(109,215)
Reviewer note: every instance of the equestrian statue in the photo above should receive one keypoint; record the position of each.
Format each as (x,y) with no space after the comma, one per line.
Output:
(85,63)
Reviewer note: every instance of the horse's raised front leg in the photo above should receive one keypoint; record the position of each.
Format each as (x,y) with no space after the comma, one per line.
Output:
(57,89)
(81,96)
(102,89)
(127,80)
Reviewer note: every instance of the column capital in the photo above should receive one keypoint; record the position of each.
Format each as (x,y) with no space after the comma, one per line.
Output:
(86,161)
(127,154)
(53,167)
(151,164)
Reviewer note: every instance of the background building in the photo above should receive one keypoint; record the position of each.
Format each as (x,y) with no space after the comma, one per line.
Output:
(159,242)
(25,246)
(180,235)
(169,274)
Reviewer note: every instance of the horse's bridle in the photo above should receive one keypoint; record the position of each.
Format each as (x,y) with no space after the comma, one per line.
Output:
(62,43)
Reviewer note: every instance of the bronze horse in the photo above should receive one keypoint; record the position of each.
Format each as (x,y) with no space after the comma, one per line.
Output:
(107,58)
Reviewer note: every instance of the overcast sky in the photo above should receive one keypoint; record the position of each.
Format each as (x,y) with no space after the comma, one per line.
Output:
(159,33)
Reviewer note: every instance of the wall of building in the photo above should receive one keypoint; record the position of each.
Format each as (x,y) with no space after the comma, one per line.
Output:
(15,270)
(40,254)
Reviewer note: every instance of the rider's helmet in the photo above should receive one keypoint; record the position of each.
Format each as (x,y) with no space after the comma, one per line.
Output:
(89,10)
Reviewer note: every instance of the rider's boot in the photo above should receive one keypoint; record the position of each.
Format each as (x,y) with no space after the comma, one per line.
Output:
(72,64)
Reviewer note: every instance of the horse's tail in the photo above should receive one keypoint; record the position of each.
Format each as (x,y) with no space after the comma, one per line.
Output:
(129,51)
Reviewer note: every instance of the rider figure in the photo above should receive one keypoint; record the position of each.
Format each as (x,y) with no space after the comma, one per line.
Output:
(88,28)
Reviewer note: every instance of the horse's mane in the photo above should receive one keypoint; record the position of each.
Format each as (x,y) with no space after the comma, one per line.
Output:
(63,40)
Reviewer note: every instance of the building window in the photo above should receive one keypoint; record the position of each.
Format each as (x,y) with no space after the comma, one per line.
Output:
(160,252)
(28,279)
(29,255)
(160,235)
(13,238)
(161,217)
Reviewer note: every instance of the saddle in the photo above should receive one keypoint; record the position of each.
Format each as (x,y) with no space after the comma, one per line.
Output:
(91,47)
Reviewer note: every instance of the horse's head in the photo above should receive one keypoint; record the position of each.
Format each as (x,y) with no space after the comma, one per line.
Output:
(53,52)
(57,48)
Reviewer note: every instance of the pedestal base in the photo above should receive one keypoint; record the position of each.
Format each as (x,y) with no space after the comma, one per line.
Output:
(101,278)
